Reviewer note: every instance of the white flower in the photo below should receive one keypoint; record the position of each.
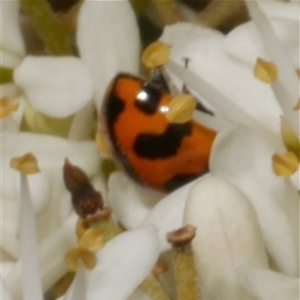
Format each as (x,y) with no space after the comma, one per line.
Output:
(58,87)
(252,234)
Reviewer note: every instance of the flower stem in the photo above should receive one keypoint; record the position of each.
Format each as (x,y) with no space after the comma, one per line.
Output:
(56,39)
(153,287)
(185,274)
(6,75)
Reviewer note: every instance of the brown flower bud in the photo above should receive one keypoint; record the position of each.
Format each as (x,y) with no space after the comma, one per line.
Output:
(86,201)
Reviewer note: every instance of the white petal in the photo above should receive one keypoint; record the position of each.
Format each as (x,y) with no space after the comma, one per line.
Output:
(10,90)
(11,37)
(244,42)
(219,80)
(167,214)
(56,86)
(123,264)
(286,87)
(265,284)
(281,10)
(129,201)
(51,258)
(9,60)
(51,151)
(227,237)
(108,41)
(244,158)
(31,279)
(9,242)
(5,295)
(77,291)
(40,187)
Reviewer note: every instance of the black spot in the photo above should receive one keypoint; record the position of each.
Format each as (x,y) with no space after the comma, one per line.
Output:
(180,180)
(147,99)
(114,107)
(163,145)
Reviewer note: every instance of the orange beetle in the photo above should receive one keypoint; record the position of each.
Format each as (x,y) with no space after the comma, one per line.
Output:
(153,151)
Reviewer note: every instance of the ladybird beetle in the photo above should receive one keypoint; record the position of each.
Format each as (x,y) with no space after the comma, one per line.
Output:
(151,150)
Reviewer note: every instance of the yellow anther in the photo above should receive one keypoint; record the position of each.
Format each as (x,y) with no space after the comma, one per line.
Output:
(156,54)
(26,164)
(181,108)
(285,164)
(89,242)
(265,71)
(92,240)
(7,107)
(290,138)
(102,146)
(73,257)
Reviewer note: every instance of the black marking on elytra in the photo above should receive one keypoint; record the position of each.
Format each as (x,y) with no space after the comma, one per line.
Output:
(152,146)
(113,107)
(180,180)
(147,99)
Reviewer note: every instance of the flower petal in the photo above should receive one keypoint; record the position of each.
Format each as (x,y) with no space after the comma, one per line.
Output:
(221,81)
(286,87)
(243,157)
(265,284)
(9,60)
(108,41)
(123,264)
(167,214)
(56,86)
(129,201)
(5,295)
(51,151)
(52,266)
(77,291)
(11,37)
(227,237)
(31,280)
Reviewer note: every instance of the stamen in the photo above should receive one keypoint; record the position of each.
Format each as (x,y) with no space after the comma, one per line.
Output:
(91,241)
(7,106)
(100,142)
(26,164)
(181,108)
(265,71)
(184,266)
(285,164)
(156,54)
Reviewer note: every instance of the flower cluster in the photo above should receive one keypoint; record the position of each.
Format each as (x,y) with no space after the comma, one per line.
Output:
(230,234)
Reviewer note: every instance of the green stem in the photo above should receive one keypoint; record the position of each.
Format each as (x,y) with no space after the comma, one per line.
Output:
(6,75)
(56,39)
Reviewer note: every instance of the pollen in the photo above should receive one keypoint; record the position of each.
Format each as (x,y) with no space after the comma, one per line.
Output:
(7,106)
(156,54)
(181,108)
(285,164)
(26,164)
(265,71)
